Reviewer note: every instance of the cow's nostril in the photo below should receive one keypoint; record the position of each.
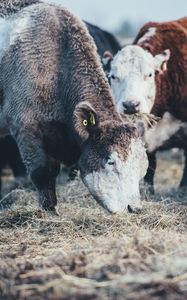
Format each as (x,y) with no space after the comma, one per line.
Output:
(125,104)
(134,210)
(137,104)
(129,209)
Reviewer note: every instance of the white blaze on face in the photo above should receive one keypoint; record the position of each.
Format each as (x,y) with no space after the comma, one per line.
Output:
(116,186)
(133,78)
(149,34)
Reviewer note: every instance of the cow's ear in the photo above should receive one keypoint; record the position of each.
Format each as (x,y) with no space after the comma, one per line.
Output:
(106,60)
(161,61)
(85,120)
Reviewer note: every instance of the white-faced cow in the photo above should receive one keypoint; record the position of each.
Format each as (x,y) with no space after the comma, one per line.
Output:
(57,104)
(150,76)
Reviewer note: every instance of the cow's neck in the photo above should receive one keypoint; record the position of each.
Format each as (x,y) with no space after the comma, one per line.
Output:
(93,91)
(169,98)
(171,90)
(83,78)
(161,98)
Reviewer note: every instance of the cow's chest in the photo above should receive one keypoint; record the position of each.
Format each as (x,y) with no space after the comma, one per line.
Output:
(60,143)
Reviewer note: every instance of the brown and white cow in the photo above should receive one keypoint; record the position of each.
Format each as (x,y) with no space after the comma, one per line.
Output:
(151,75)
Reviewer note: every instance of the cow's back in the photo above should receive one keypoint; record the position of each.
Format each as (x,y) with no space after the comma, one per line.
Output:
(183,22)
(8,7)
(104,40)
(158,36)
(171,88)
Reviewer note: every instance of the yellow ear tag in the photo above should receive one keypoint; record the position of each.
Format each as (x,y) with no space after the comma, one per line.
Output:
(85,122)
(92,119)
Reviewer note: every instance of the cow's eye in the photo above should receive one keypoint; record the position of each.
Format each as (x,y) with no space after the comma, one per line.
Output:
(148,76)
(113,77)
(111,162)
(107,162)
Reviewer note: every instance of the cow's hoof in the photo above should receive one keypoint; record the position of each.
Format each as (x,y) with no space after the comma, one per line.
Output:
(53,212)
(133,210)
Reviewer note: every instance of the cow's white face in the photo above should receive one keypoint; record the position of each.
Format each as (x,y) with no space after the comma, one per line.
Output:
(132,78)
(116,185)
(113,159)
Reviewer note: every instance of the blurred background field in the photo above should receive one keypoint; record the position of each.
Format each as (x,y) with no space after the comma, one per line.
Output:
(124,17)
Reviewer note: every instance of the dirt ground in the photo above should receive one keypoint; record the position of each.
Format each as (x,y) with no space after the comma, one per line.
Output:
(85,253)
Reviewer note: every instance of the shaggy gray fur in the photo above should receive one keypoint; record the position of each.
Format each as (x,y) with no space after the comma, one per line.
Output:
(51,79)
(8,7)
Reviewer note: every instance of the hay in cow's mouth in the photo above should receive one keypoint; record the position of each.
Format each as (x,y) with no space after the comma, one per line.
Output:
(149,120)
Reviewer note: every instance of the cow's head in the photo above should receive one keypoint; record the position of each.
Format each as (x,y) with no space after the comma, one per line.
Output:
(132,78)
(113,159)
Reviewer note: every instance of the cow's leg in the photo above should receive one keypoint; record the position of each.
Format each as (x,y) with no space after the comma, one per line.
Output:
(1,167)
(183,182)
(15,160)
(73,171)
(44,178)
(0,181)
(42,169)
(149,177)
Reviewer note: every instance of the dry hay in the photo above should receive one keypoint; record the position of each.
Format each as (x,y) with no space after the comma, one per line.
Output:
(86,253)
(149,120)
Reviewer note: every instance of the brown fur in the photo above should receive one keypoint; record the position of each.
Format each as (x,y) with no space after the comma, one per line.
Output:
(171,88)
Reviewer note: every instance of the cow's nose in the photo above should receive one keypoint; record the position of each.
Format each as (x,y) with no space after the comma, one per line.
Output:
(135,210)
(131,107)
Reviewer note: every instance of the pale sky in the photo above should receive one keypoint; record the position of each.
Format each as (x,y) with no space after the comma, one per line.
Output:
(109,14)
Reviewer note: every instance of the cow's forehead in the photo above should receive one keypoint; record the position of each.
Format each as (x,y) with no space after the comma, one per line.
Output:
(132,58)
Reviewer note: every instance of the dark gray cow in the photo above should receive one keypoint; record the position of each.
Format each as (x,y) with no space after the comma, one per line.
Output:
(58,106)
(9,152)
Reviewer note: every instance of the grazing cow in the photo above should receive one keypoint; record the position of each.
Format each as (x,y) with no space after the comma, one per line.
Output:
(104,41)
(58,106)
(151,75)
